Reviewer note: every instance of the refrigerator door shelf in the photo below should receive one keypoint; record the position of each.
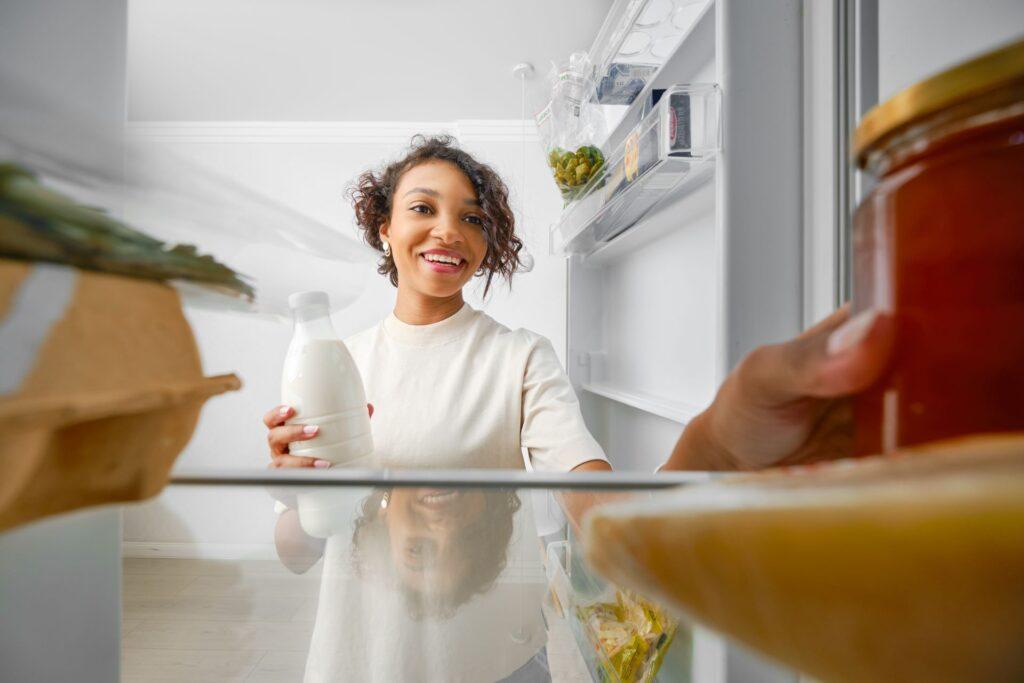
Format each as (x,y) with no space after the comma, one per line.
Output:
(670,152)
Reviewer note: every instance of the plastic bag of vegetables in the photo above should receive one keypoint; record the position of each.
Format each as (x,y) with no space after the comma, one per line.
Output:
(570,127)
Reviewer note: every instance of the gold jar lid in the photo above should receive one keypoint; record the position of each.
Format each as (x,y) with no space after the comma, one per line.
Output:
(962,82)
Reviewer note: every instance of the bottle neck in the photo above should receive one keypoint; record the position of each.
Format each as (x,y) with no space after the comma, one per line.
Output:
(313,322)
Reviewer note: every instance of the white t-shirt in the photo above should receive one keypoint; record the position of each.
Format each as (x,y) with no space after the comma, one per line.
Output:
(463,392)
(467,392)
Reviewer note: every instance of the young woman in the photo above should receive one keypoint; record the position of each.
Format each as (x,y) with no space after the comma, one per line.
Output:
(451,387)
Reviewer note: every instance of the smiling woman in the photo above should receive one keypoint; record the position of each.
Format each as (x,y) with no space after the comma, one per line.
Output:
(438,192)
(450,386)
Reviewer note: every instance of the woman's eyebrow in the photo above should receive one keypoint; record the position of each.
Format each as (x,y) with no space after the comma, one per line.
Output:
(437,195)
(424,190)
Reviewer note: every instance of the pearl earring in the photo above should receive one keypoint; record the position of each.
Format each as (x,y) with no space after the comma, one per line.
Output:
(385,500)
(387,248)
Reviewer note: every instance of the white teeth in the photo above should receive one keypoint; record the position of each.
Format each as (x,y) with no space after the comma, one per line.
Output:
(438,497)
(438,258)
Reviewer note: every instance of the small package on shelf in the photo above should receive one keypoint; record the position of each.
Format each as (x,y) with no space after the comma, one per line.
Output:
(622,83)
(676,123)
(640,152)
(630,635)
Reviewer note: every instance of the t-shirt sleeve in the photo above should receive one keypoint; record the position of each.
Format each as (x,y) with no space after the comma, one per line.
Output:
(553,431)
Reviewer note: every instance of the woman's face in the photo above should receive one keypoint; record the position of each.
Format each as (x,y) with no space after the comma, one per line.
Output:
(435,219)
(423,527)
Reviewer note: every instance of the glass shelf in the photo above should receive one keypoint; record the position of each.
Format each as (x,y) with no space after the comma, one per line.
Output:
(671,149)
(275,248)
(345,566)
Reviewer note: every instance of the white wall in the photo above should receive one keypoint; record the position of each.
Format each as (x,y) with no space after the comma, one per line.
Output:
(309,173)
(344,60)
(918,38)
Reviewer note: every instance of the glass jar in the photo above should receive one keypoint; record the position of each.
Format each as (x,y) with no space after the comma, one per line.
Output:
(938,244)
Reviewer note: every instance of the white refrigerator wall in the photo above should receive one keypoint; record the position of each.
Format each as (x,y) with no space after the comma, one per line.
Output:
(660,315)
(309,171)
(644,313)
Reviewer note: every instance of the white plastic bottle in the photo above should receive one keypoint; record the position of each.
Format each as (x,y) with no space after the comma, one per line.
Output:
(322,383)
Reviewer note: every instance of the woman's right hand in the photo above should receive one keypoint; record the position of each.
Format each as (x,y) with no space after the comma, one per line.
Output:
(790,403)
(279,435)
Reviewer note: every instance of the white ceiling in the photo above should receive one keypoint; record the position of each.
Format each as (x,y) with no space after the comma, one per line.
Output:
(345,60)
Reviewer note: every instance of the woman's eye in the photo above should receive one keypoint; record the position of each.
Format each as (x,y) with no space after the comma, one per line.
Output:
(476,220)
(420,208)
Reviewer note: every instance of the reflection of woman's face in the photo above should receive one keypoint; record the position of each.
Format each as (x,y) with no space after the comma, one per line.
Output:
(423,529)
(440,547)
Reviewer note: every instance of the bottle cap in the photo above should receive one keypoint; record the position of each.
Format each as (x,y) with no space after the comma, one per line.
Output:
(302,299)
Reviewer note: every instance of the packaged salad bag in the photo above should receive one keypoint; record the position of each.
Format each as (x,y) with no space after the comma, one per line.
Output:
(570,128)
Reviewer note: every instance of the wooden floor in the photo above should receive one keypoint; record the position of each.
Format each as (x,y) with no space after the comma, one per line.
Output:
(203,620)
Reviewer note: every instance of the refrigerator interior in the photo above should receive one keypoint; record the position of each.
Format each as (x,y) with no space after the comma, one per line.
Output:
(647,324)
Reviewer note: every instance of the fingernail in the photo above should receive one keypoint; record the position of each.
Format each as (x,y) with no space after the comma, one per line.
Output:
(321,463)
(284,410)
(310,430)
(851,332)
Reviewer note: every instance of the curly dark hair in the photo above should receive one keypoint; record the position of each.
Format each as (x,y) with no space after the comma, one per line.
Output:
(373,192)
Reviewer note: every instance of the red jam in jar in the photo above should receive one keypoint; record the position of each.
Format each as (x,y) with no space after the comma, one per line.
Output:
(939,245)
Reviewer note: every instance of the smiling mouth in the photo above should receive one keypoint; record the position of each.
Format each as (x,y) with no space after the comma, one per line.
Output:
(443,264)
(438,498)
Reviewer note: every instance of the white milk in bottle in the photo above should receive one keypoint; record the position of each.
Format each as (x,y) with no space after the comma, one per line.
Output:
(321,382)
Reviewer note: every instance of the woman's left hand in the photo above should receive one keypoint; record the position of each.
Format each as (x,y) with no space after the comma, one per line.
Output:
(280,435)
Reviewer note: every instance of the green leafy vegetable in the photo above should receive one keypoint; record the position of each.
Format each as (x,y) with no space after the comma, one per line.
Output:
(39,224)
(573,171)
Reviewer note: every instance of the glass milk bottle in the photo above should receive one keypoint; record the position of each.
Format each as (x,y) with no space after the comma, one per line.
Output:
(321,382)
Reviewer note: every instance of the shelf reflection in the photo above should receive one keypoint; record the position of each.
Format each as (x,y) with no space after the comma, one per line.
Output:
(451,578)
